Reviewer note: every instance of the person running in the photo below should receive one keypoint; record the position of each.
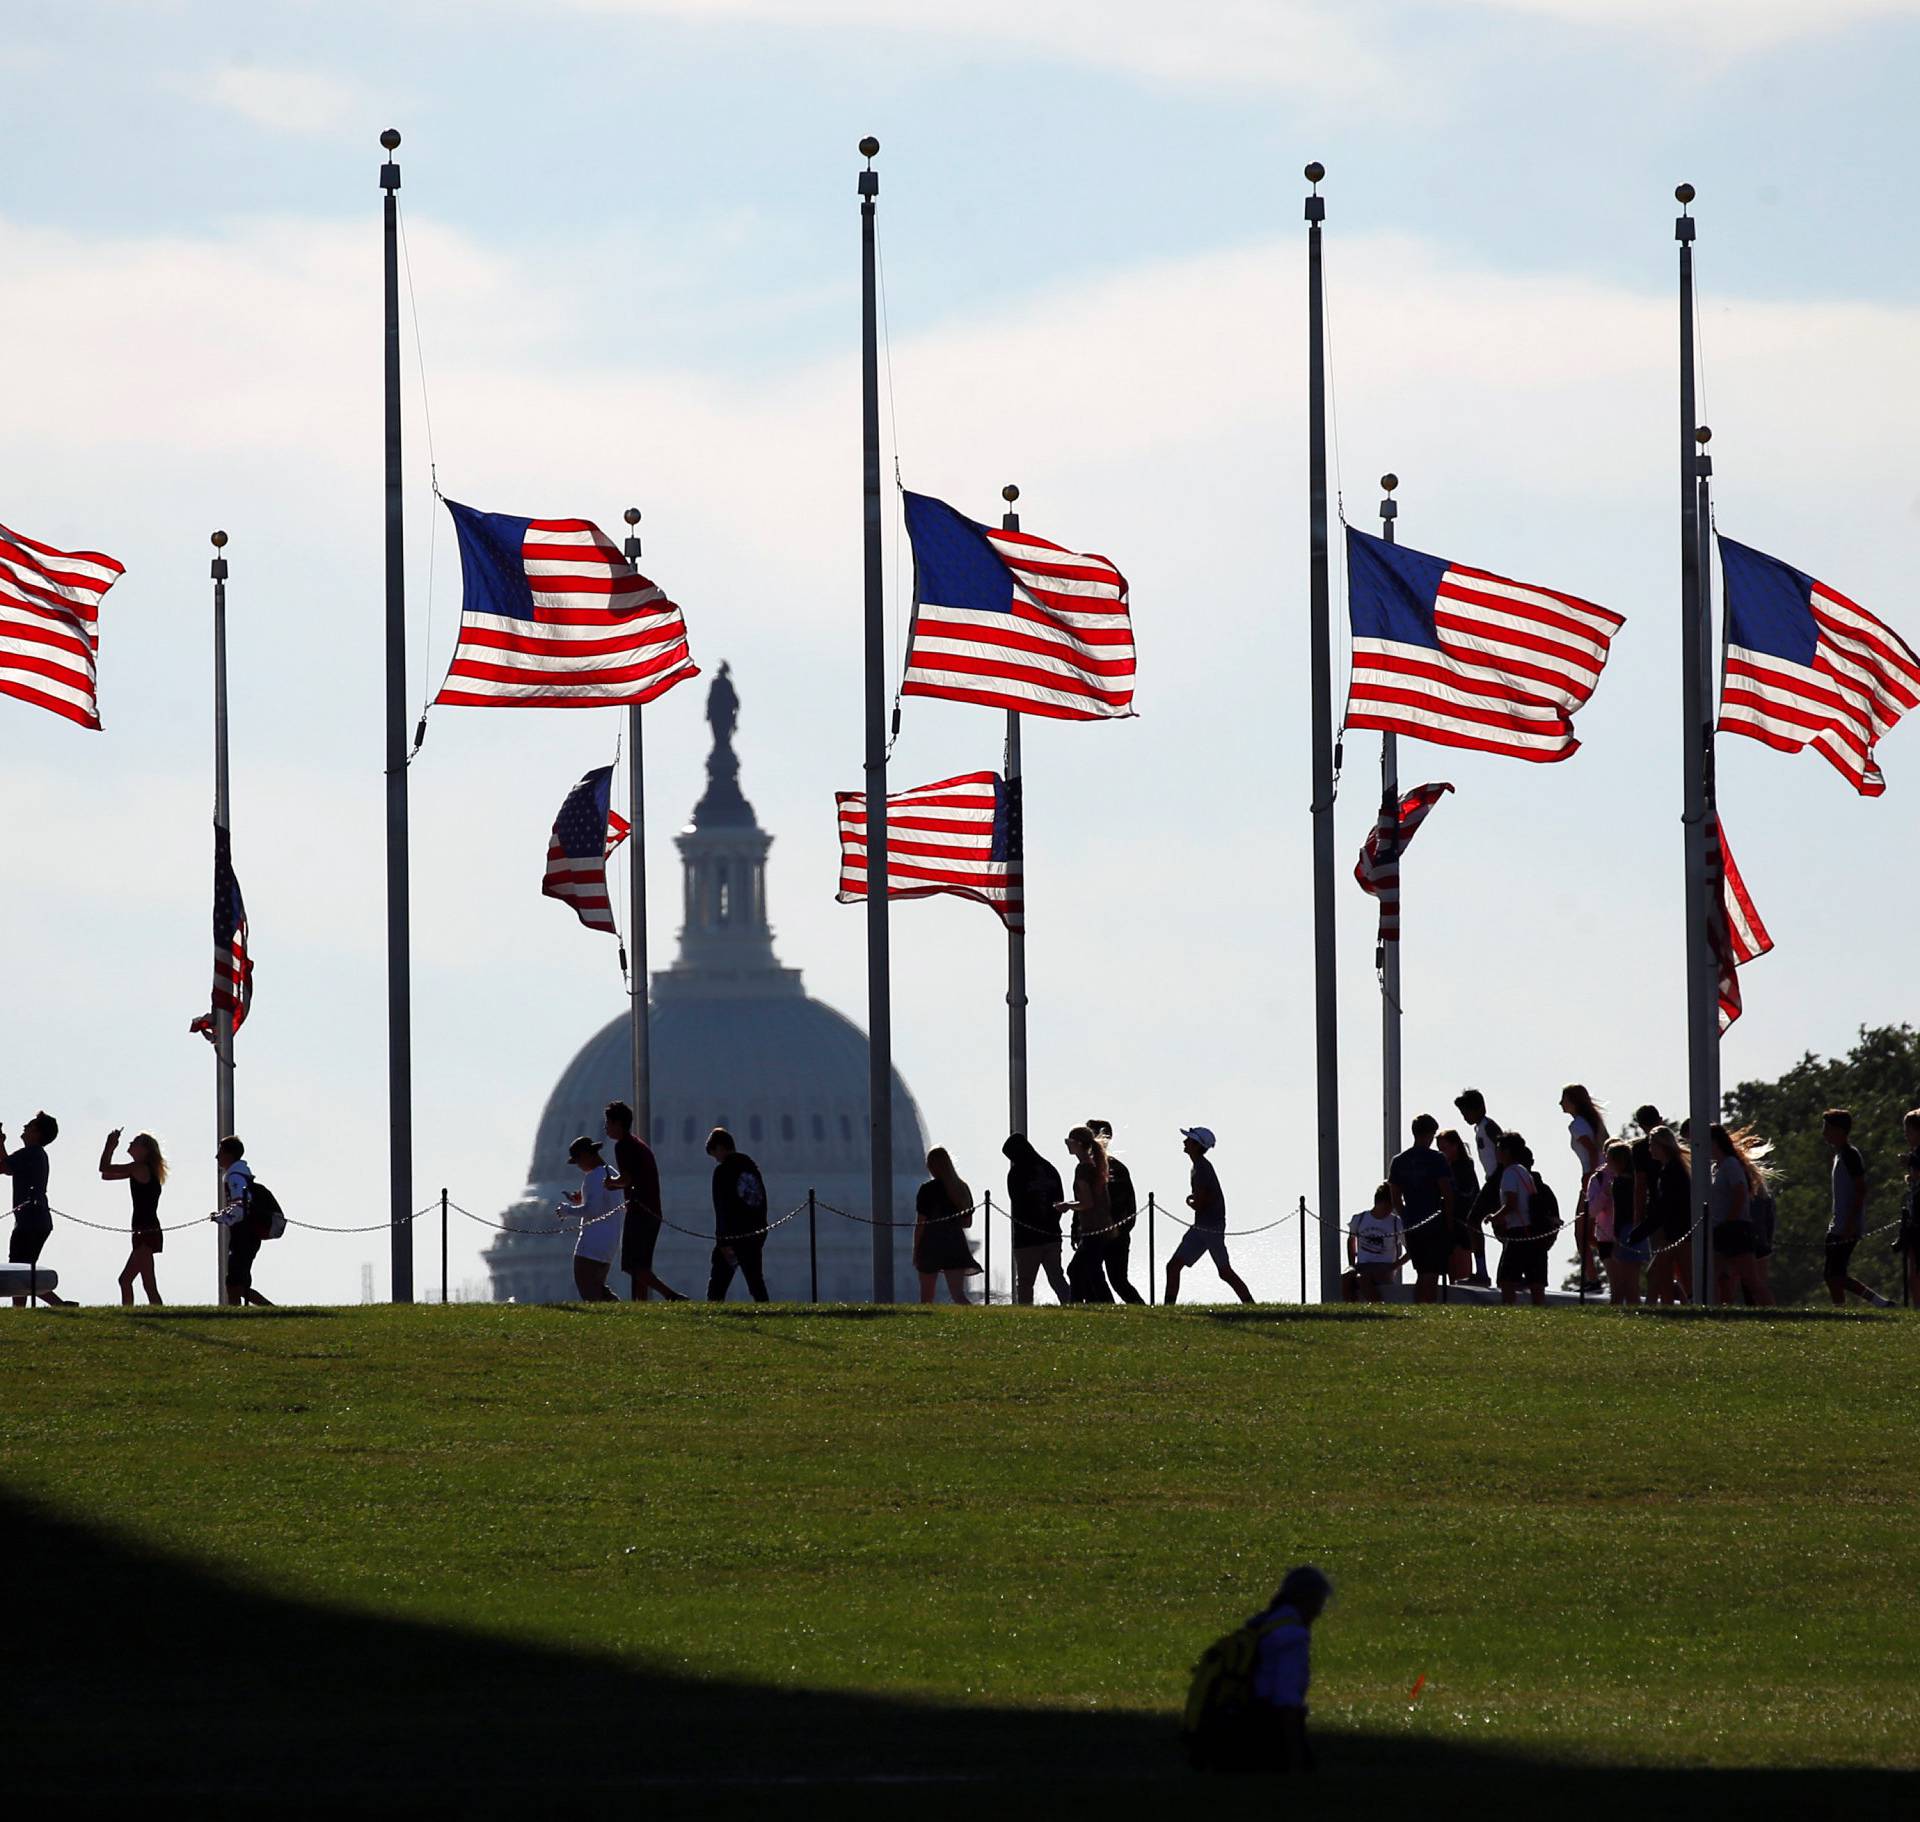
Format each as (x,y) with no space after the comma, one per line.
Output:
(32,1214)
(1663,1189)
(1610,1206)
(246,1224)
(1849,1221)
(1523,1251)
(1034,1197)
(1123,1206)
(1469,1238)
(1376,1248)
(636,1174)
(1282,1667)
(1472,1105)
(1207,1237)
(145,1173)
(1422,1187)
(1092,1212)
(739,1219)
(599,1205)
(941,1210)
(1587,1133)
(1907,1241)
(1735,1183)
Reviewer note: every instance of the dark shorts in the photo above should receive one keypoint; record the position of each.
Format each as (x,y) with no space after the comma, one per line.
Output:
(1430,1248)
(30,1234)
(1374,1271)
(1840,1258)
(149,1240)
(1734,1239)
(638,1237)
(1604,1248)
(1197,1243)
(243,1246)
(1522,1261)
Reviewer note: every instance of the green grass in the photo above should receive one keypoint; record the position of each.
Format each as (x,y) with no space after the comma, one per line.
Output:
(443,1543)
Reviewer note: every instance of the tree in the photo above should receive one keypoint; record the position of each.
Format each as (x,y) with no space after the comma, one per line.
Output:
(1879,1079)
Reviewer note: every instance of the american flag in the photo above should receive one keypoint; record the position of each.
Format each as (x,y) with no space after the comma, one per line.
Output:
(1807,667)
(1379,869)
(1465,658)
(50,624)
(1737,936)
(585,832)
(553,616)
(960,836)
(232,965)
(1009,620)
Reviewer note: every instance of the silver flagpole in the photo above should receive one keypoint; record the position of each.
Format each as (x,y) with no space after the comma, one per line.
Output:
(1017,863)
(1388,956)
(1702,1014)
(639,982)
(879,962)
(1320,658)
(223,1119)
(1710,837)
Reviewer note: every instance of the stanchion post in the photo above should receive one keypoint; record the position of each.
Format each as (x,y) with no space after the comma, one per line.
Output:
(1152,1269)
(987,1248)
(1303,1249)
(813,1253)
(443,1244)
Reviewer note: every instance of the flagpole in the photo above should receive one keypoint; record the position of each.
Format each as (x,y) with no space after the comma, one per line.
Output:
(1320,643)
(639,981)
(1702,1011)
(1388,957)
(1710,836)
(223,1120)
(399,971)
(879,965)
(1017,865)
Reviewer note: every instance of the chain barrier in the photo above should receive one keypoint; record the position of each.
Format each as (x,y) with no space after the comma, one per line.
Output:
(868,1221)
(1224,1232)
(508,1227)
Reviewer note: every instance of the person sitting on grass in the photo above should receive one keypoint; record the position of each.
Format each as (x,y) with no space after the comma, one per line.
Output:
(1376,1249)
(1283,1668)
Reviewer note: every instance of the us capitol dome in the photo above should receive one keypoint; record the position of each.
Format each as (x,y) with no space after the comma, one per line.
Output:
(736,1042)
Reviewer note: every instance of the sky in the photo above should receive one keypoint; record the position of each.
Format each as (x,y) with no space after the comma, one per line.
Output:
(632,236)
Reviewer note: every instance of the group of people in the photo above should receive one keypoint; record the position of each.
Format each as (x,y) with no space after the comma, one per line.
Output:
(249,1211)
(1633,1213)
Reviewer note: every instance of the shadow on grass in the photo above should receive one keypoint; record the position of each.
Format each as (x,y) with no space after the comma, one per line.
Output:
(224,1697)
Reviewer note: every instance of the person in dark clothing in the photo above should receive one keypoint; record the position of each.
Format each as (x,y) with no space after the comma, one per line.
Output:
(1124,1208)
(943,1207)
(1472,1105)
(1663,1187)
(144,1173)
(1422,1185)
(246,1223)
(739,1219)
(1907,1241)
(32,1216)
(1092,1216)
(1849,1224)
(1469,1238)
(1034,1195)
(636,1175)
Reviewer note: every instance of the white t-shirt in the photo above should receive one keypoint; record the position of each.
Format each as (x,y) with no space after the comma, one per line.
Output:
(1376,1238)
(1483,1144)
(1517,1183)
(599,1238)
(234,1183)
(1579,1128)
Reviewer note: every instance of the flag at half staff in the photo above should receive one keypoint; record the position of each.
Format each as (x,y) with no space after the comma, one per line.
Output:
(50,624)
(960,836)
(586,831)
(1737,936)
(1011,621)
(1808,667)
(1465,658)
(1378,870)
(232,965)
(553,616)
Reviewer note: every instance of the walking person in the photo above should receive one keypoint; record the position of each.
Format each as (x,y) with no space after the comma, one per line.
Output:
(636,1174)
(1469,1238)
(32,1214)
(1736,1181)
(1092,1213)
(1907,1241)
(1663,1188)
(1472,1106)
(246,1219)
(1207,1237)
(145,1174)
(739,1219)
(1421,1183)
(1523,1248)
(1376,1248)
(1123,1207)
(1849,1221)
(1587,1133)
(599,1204)
(1034,1196)
(942,1210)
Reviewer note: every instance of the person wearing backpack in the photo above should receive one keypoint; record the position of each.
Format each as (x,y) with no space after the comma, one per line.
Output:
(1526,1220)
(1247,1705)
(250,1213)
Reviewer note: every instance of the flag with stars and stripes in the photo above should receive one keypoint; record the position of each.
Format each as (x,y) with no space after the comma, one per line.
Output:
(50,624)
(1010,621)
(553,616)
(232,965)
(1378,870)
(1807,667)
(960,836)
(1466,658)
(586,831)
(1737,936)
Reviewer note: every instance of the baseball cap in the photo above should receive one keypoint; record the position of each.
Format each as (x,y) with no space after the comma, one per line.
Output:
(1200,1135)
(584,1144)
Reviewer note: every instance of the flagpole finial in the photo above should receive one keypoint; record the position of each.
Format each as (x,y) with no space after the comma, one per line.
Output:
(1316,203)
(1389,482)
(632,517)
(219,556)
(869,148)
(1703,435)
(1389,507)
(1009,493)
(219,540)
(1684,194)
(390,172)
(1683,228)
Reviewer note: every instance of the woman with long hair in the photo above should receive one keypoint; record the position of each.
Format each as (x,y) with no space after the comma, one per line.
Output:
(1523,1252)
(1587,1133)
(1092,1212)
(1736,1185)
(942,1208)
(1669,1217)
(145,1174)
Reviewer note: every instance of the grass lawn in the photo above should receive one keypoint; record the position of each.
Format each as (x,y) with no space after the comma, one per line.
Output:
(716,1559)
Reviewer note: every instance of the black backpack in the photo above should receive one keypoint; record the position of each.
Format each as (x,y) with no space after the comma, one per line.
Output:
(264,1211)
(1544,1216)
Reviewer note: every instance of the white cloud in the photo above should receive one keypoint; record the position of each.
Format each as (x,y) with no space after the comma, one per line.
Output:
(1730,27)
(283,101)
